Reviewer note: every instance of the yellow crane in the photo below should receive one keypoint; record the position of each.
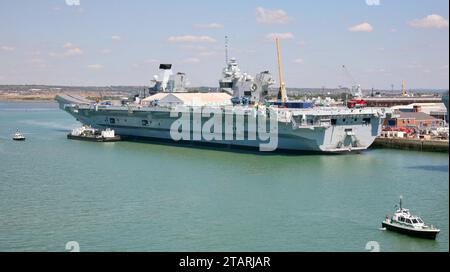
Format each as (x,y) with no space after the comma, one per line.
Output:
(282,90)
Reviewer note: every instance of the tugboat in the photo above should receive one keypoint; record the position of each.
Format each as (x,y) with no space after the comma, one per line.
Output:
(18,136)
(87,133)
(406,223)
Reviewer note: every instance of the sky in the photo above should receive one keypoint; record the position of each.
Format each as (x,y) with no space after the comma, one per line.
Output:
(115,42)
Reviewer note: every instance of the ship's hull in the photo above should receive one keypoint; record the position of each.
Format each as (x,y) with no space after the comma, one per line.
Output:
(425,234)
(93,138)
(346,135)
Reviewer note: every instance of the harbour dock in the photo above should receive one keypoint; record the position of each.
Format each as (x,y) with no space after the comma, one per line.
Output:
(433,145)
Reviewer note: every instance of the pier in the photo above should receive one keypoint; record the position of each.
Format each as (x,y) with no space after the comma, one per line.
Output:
(411,144)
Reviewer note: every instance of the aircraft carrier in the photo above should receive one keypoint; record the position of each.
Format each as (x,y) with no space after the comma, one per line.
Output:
(238,114)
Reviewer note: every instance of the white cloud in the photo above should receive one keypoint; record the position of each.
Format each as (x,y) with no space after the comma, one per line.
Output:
(430,21)
(71,50)
(268,16)
(210,26)
(191,60)
(299,61)
(373,2)
(95,66)
(7,48)
(191,39)
(364,27)
(68,45)
(281,36)
(74,52)
(116,38)
(73,2)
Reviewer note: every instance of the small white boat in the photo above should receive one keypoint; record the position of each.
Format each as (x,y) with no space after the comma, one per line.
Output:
(406,223)
(87,133)
(18,136)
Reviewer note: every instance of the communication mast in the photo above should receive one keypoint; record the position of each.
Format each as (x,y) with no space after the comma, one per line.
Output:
(356,88)
(226,50)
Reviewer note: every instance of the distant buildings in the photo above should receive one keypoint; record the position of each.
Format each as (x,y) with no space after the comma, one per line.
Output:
(416,120)
(418,116)
(395,101)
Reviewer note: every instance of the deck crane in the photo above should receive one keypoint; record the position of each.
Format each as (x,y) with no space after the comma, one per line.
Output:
(403,88)
(356,91)
(282,92)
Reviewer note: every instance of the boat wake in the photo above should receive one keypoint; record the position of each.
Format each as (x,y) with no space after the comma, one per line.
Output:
(382,228)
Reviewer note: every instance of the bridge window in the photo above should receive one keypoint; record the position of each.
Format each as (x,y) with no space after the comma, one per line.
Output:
(226,84)
(144,122)
(333,121)
(366,121)
(112,120)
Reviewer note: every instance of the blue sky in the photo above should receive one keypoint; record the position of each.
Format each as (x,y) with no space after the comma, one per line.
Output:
(114,42)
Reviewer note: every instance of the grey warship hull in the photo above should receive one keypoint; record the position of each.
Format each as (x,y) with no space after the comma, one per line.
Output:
(333,130)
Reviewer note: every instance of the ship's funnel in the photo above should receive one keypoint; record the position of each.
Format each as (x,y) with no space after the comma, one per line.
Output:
(165,72)
(166,81)
(165,66)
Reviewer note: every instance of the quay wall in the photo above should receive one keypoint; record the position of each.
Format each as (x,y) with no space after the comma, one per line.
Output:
(411,144)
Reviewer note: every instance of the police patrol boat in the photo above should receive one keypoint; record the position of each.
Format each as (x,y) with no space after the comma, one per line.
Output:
(404,222)
(18,136)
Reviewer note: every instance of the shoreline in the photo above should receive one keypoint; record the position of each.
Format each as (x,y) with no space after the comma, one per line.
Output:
(37,100)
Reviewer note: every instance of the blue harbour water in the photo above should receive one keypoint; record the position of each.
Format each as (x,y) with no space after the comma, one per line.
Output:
(129,196)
